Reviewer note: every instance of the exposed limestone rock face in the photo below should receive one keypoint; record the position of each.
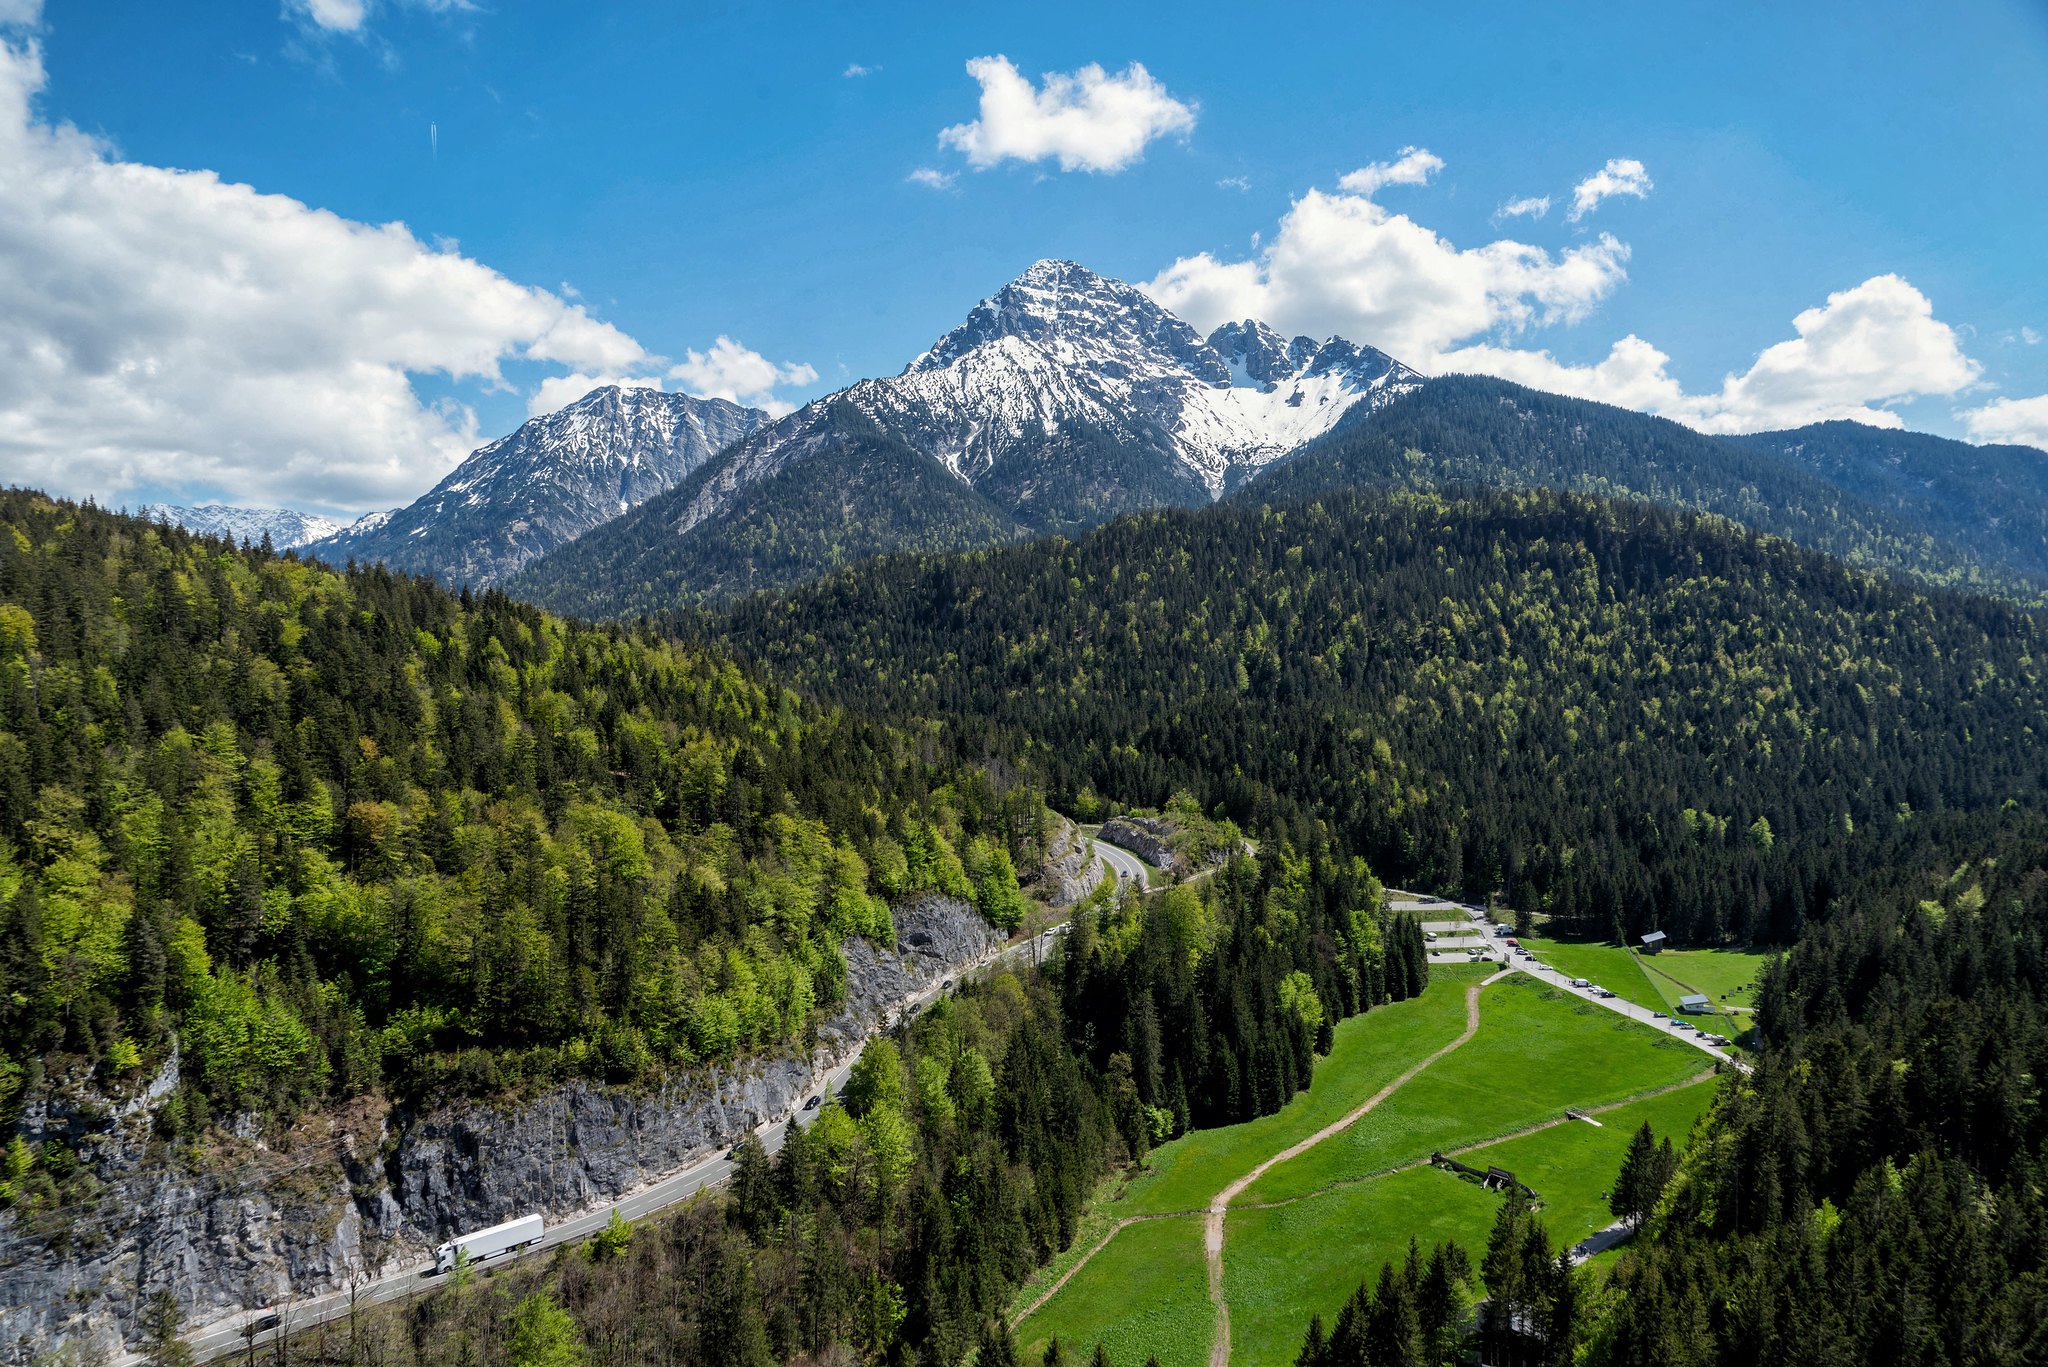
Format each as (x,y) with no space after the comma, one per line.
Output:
(1147,837)
(367,1189)
(1067,874)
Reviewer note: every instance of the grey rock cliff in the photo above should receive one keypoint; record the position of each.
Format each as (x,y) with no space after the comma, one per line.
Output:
(364,1190)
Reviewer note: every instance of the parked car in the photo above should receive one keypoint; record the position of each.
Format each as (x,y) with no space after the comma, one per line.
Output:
(1429,935)
(1603,992)
(1580,982)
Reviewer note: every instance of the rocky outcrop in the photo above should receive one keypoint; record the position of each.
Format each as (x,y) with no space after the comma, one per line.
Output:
(1149,838)
(1067,873)
(365,1190)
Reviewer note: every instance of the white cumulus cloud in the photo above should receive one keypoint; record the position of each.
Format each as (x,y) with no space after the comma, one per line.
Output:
(931,178)
(169,331)
(2023,421)
(336,16)
(1528,206)
(731,371)
(1411,166)
(1620,176)
(1342,264)
(854,71)
(1088,120)
(26,13)
(1865,348)
(351,16)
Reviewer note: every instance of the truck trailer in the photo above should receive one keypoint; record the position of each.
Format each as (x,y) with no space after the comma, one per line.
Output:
(524,1232)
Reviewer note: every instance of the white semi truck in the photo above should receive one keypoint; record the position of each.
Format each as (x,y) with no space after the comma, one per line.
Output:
(524,1232)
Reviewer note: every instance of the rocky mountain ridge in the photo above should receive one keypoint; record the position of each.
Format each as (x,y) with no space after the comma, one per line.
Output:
(547,483)
(1063,400)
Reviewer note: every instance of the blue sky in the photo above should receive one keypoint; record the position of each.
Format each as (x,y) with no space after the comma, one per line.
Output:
(685,174)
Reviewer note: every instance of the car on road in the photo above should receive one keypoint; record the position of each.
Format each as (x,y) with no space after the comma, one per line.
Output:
(1603,992)
(1429,935)
(1580,982)
(814,1103)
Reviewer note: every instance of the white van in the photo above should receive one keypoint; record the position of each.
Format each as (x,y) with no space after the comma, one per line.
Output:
(1580,982)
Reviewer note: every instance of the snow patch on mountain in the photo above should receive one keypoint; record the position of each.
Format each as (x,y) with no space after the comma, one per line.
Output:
(547,483)
(1062,360)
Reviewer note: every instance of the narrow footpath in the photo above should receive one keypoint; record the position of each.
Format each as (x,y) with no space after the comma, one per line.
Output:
(1212,1231)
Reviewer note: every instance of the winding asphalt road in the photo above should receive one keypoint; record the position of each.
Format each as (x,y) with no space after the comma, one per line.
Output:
(226,1337)
(1122,862)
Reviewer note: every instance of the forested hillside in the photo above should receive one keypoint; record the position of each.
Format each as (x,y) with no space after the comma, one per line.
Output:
(969,1142)
(1873,1194)
(341,833)
(1618,714)
(1992,499)
(1870,497)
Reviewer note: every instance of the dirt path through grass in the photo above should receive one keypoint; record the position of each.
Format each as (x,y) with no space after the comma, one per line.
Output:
(1212,1225)
(1474,1147)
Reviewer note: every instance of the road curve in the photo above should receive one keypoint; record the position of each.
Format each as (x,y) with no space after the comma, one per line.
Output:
(224,1337)
(1125,864)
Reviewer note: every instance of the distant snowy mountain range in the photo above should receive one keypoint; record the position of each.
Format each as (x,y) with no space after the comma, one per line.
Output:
(286,528)
(1063,400)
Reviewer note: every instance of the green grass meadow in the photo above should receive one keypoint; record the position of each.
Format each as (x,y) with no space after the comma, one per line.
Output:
(1146,1292)
(1285,1263)
(1538,1051)
(1370,1051)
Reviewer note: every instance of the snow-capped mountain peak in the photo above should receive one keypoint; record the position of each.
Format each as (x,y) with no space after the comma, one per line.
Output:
(553,479)
(1081,319)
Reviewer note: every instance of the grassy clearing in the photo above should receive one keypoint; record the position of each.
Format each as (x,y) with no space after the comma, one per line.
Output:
(1572,1167)
(1657,981)
(1146,1292)
(1369,1052)
(1538,1051)
(1286,1263)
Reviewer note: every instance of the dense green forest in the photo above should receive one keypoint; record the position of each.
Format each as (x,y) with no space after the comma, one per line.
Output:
(968,1143)
(1840,488)
(348,832)
(1875,1192)
(1621,715)
(1992,498)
